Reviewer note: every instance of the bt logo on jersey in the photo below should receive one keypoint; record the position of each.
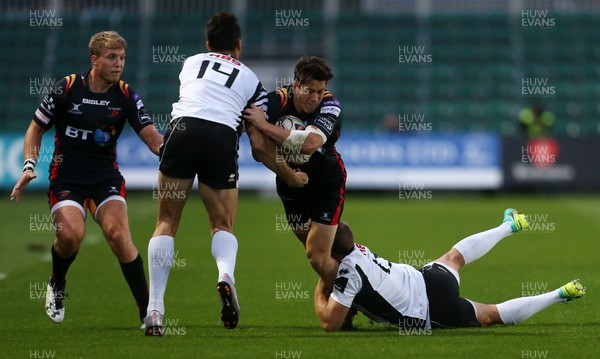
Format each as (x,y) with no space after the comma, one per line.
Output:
(77,133)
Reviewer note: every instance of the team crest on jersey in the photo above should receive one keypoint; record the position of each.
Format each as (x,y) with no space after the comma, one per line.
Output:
(340,283)
(63,194)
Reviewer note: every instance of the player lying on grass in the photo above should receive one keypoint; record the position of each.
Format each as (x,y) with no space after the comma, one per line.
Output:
(399,294)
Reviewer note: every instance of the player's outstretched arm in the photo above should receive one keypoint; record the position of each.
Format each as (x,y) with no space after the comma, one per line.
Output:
(331,314)
(152,139)
(263,150)
(31,148)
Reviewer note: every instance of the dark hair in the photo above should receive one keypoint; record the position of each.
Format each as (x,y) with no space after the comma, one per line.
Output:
(310,68)
(223,32)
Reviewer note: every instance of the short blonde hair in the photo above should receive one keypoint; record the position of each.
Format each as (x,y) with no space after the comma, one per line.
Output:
(106,40)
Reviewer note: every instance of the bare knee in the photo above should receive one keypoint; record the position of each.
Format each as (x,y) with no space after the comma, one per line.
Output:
(487,314)
(453,258)
(68,238)
(318,259)
(119,240)
(116,234)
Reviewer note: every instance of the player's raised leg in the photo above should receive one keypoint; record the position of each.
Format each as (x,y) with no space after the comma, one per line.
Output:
(477,245)
(172,195)
(111,215)
(221,205)
(70,231)
(519,309)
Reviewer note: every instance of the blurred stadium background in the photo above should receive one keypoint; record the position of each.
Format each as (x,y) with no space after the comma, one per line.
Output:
(432,95)
(447,118)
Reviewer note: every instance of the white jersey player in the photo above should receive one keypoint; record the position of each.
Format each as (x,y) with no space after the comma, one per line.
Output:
(398,294)
(202,141)
(386,292)
(216,87)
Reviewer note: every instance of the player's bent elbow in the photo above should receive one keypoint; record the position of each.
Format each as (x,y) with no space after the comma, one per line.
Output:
(258,149)
(256,155)
(258,146)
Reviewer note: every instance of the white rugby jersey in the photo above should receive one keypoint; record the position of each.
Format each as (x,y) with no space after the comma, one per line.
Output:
(217,87)
(388,293)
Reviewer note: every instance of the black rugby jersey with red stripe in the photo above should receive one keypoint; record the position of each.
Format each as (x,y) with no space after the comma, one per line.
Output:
(327,118)
(87,126)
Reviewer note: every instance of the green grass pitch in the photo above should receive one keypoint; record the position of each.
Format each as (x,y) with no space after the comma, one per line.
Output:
(275,282)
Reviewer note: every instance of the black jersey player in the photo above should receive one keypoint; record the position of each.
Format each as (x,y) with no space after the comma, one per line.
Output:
(313,211)
(88,112)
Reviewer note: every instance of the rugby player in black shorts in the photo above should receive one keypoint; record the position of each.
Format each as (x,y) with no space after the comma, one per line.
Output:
(202,142)
(88,112)
(313,211)
(418,300)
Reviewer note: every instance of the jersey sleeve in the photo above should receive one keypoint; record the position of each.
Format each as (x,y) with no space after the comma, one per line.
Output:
(346,286)
(276,100)
(259,98)
(328,117)
(47,111)
(136,113)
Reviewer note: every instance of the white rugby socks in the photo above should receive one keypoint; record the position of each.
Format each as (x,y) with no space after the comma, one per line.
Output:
(161,252)
(224,251)
(519,309)
(477,245)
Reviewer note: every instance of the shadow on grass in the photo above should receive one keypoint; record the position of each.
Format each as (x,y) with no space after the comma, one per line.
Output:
(251,332)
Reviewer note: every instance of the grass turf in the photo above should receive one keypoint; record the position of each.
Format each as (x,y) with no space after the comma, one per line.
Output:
(275,282)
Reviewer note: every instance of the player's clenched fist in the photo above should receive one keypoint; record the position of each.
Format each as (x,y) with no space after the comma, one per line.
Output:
(299,180)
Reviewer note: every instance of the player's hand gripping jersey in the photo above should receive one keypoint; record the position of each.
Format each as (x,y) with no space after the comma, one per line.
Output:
(326,163)
(87,127)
